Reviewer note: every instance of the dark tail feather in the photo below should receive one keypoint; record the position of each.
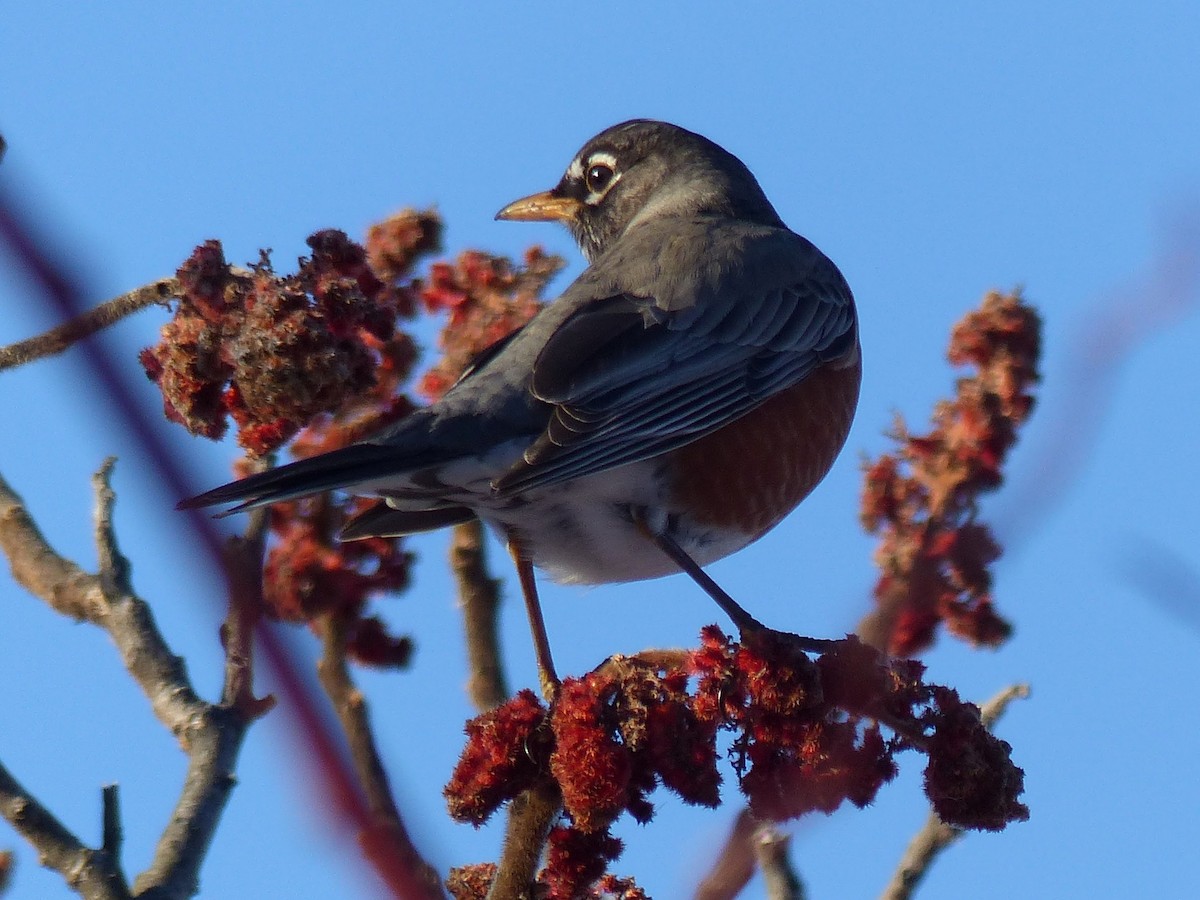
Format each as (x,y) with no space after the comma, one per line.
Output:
(383,521)
(343,468)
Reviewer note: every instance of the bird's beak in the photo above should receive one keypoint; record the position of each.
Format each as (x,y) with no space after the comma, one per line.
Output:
(543,207)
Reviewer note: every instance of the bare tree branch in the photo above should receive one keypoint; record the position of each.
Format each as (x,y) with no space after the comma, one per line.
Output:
(213,751)
(771,851)
(935,835)
(212,758)
(94,874)
(112,833)
(479,598)
(529,819)
(211,735)
(59,338)
(752,845)
(735,865)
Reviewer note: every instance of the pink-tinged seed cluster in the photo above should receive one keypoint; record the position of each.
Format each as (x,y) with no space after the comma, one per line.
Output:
(934,557)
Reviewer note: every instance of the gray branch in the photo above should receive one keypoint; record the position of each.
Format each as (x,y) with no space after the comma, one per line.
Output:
(210,734)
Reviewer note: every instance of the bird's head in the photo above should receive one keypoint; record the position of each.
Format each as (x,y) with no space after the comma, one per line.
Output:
(641,170)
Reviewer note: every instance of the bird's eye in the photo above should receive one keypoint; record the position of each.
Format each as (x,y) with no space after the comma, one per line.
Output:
(598,177)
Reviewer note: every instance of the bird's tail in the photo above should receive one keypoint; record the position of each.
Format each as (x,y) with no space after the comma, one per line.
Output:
(359,465)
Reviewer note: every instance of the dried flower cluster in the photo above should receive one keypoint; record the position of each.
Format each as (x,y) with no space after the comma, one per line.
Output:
(321,349)
(934,556)
(474,881)
(309,573)
(488,299)
(270,351)
(807,737)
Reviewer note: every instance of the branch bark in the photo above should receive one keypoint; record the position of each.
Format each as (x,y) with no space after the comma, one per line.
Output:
(529,819)
(479,598)
(94,874)
(61,337)
(752,845)
(771,851)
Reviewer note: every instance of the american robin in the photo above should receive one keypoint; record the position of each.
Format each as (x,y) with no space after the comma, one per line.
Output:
(679,399)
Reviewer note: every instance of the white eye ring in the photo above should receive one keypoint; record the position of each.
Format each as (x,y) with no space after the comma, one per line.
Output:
(598,173)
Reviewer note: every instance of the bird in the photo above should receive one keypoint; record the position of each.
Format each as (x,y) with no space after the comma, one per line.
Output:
(683,395)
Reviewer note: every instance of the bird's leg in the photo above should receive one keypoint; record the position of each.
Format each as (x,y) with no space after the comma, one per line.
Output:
(547,676)
(742,619)
(746,623)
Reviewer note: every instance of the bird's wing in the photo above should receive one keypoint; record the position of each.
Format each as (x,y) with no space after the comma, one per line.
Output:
(631,376)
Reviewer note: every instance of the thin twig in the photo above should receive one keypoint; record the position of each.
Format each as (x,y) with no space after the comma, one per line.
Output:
(61,337)
(529,819)
(385,838)
(479,599)
(213,753)
(112,833)
(779,877)
(991,711)
(935,835)
(129,621)
(663,659)
(735,864)
(93,874)
(244,566)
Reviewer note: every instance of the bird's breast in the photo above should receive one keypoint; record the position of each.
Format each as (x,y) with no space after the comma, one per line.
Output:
(748,475)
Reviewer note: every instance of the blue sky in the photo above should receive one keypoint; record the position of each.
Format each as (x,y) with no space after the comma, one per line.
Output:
(933,151)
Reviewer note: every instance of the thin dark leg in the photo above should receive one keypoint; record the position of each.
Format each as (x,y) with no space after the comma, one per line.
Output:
(742,619)
(547,676)
(745,622)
